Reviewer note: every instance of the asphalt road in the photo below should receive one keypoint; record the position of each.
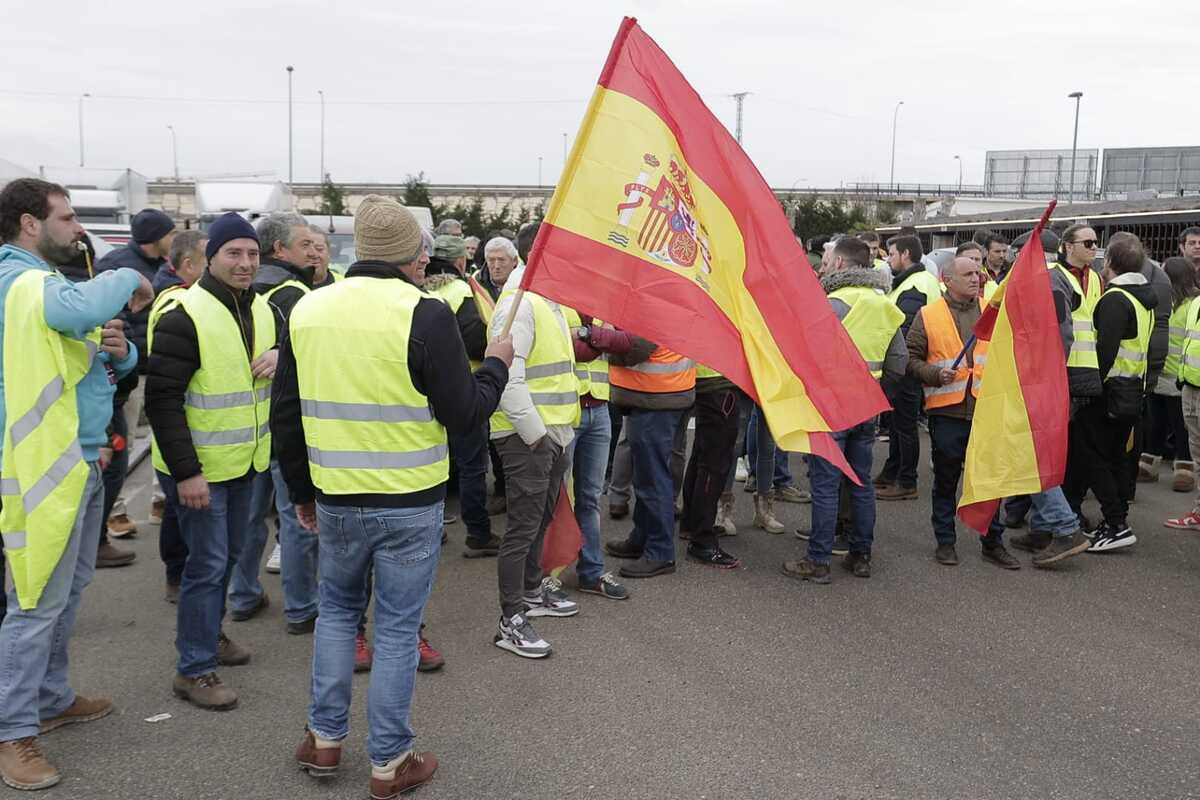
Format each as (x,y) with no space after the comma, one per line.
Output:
(922,682)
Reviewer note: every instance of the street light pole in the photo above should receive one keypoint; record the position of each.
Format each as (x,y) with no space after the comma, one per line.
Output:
(539,170)
(1074,141)
(322,134)
(85,94)
(564,151)
(174,151)
(959,160)
(895,116)
(290,175)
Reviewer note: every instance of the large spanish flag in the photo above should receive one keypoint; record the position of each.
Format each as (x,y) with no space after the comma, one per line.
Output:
(662,226)
(1018,439)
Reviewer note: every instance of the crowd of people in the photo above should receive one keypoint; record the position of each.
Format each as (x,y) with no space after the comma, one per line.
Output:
(343,406)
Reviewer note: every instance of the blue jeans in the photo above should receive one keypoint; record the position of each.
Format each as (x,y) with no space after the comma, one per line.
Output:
(589,451)
(403,545)
(826,479)
(762,454)
(245,590)
(470,454)
(33,642)
(651,434)
(948,438)
(214,540)
(1052,513)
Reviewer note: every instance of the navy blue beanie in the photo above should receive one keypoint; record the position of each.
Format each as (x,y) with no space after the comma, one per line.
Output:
(149,225)
(227,228)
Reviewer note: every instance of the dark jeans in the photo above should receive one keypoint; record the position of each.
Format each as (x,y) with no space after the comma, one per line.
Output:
(826,480)
(171,547)
(651,435)
(533,479)
(948,437)
(1096,454)
(904,445)
(114,474)
(1166,434)
(470,453)
(712,460)
(214,540)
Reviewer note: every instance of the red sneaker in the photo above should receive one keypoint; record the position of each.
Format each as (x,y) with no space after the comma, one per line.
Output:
(430,659)
(1191,522)
(362,654)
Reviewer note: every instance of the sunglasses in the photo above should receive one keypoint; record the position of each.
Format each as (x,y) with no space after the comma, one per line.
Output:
(1088,243)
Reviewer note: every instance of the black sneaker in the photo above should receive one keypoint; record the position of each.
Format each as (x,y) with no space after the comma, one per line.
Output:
(999,556)
(713,557)
(858,563)
(647,568)
(1032,542)
(623,548)
(805,570)
(477,549)
(946,554)
(606,586)
(302,628)
(1112,537)
(841,544)
(241,615)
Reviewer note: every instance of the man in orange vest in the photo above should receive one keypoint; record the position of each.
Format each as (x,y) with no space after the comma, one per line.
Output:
(935,341)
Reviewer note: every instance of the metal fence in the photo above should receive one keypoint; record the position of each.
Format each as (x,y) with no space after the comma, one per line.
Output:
(1161,239)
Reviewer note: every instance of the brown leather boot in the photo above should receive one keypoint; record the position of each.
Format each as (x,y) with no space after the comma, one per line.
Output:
(319,762)
(23,766)
(387,783)
(206,691)
(230,654)
(84,709)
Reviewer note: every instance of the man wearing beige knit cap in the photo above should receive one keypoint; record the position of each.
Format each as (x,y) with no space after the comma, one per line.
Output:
(371,376)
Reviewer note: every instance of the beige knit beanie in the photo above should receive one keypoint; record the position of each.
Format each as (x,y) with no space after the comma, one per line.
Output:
(384,230)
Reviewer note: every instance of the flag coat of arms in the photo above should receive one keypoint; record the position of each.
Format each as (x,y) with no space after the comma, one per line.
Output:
(661,225)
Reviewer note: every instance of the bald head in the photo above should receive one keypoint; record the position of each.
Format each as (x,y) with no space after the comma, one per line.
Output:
(961,277)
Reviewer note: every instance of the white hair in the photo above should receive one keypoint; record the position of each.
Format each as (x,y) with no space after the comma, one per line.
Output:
(500,243)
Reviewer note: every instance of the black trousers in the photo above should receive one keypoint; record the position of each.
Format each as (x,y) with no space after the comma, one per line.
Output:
(172,549)
(1097,460)
(1166,433)
(904,445)
(717,419)
(114,474)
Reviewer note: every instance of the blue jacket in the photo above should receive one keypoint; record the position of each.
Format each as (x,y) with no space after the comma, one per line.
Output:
(74,309)
(164,279)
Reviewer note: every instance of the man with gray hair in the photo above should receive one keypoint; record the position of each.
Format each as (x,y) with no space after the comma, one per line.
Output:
(449,227)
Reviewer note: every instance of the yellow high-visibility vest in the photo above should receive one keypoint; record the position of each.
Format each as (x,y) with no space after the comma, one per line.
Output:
(922,280)
(1133,355)
(549,369)
(1083,347)
(369,430)
(872,323)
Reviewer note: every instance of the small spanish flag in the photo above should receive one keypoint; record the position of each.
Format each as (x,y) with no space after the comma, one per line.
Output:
(662,226)
(1018,439)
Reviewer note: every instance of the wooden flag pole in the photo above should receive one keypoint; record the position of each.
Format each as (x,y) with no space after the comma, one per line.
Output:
(512,312)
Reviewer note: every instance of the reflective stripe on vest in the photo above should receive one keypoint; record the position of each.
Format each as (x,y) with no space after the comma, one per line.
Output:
(227,408)
(872,322)
(1133,354)
(367,427)
(664,372)
(549,367)
(42,461)
(1083,347)
(943,346)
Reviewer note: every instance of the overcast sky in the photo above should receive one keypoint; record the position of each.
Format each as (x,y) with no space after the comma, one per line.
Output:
(478,91)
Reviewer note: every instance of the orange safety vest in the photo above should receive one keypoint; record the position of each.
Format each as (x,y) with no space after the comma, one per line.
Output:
(944,345)
(665,372)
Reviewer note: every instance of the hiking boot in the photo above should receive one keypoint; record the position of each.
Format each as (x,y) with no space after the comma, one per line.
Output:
(517,636)
(1032,542)
(1184,479)
(946,554)
(606,586)
(109,556)
(618,509)
(1148,468)
(158,507)
(497,505)
(896,492)
(791,494)
(1062,548)
(303,627)
(858,563)
(623,548)
(724,522)
(84,709)
(549,600)
(243,614)
(229,654)
(205,691)
(172,593)
(362,653)
(713,557)
(275,561)
(477,549)
(401,775)
(120,526)
(1112,537)
(1000,556)
(428,658)
(805,570)
(1189,522)
(23,765)
(764,515)
(320,759)
(647,568)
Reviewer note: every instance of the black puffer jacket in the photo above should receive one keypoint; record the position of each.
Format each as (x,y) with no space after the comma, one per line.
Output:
(132,256)
(175,358)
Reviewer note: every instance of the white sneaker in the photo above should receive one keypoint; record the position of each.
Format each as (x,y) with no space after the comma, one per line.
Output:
(273,562)
(550,601)
(517,636)
(742,470)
